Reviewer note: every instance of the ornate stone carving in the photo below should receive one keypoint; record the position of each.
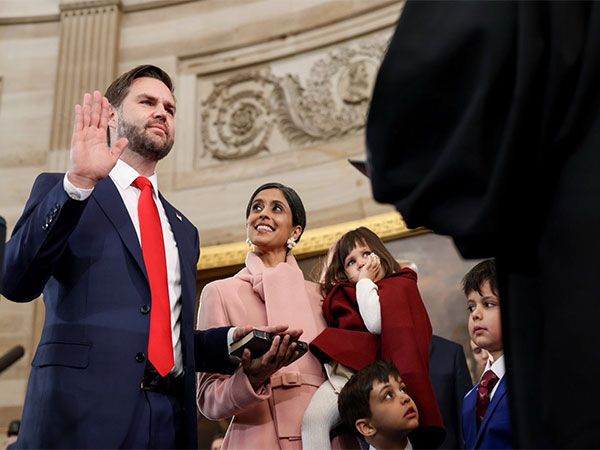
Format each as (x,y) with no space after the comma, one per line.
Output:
(239,115)
(334,102)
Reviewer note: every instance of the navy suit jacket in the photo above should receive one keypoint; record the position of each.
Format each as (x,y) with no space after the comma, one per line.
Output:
(494,431)
(86,258)
(451,380)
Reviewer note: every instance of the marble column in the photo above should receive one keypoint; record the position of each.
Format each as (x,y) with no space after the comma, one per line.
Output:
(87,61)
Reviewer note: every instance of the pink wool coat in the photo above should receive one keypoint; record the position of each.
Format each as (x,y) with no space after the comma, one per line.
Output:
(259,296)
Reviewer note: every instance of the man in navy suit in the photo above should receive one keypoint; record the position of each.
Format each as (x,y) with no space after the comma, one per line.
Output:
(450,379)
(80,241)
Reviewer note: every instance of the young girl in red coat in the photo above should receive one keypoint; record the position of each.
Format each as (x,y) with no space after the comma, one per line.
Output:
(374,311)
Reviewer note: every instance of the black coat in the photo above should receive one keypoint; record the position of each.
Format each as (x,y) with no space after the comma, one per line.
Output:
(484,125)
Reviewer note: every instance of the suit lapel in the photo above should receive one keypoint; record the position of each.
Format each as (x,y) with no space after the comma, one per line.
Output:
(500,392)
(108,198)
(181,233)
(469,418)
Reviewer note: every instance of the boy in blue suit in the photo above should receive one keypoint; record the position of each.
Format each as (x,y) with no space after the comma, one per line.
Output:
(485,418)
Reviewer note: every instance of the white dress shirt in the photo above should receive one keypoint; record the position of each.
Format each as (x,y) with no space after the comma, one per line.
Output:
(123,175)
(408,446)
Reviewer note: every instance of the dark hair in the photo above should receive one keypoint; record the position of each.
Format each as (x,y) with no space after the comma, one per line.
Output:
(353,401)
(482,272)
(293,199)
(335,272)
(119,88)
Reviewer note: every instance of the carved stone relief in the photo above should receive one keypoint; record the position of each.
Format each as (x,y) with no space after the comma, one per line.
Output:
(313,98)
(238,116)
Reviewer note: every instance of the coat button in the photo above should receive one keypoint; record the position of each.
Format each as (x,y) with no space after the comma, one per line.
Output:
(56,208)
(140,357)
(145,309)
(45,227)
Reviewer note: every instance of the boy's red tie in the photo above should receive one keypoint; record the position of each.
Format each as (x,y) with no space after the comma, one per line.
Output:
(487,383)
(160,347)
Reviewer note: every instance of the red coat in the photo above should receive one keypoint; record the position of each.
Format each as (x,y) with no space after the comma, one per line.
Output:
(405,337)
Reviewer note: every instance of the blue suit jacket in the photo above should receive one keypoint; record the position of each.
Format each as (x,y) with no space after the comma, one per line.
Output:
(87,369)
(494,431)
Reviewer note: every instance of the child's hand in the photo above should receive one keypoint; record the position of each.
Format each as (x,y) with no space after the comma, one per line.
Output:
(372,269)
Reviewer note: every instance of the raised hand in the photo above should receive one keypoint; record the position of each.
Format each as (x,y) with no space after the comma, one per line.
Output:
(91,158)
(372,269)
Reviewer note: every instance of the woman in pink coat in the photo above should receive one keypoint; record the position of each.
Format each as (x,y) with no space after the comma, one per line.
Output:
(266,400)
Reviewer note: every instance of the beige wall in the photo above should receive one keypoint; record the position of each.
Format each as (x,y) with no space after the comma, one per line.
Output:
(28,54)
(284,83)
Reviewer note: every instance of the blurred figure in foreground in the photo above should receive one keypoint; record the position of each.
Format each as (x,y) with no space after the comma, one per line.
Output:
(484,125)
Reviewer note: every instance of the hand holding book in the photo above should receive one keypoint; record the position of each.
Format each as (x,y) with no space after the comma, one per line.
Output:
(259,342)
(283,350)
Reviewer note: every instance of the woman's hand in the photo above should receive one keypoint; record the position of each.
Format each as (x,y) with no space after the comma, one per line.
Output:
(282,352)
(240,332)
(372,269)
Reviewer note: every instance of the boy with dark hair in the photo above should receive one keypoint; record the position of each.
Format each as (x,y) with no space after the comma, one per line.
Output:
(485,418)
(375,404)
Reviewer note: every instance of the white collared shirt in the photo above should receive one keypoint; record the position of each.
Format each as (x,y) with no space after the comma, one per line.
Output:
(408,446)
(123,175)
(498,368)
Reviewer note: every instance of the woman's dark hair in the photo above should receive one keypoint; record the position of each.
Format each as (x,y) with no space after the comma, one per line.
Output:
(479,274)
(293,200)
(335,272)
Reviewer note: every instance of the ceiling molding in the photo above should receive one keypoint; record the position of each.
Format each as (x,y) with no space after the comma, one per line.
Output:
(283,46)
(127,6)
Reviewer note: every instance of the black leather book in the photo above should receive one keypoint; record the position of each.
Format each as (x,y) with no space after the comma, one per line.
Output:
(259,342)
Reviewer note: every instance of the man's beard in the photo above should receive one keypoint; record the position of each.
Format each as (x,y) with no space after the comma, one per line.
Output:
(141,143)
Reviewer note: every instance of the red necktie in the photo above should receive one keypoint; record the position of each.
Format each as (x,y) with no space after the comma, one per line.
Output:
(160,347)
(486,385)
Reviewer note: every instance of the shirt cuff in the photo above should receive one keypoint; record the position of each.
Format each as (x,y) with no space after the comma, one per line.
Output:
(229,342)
(74,192)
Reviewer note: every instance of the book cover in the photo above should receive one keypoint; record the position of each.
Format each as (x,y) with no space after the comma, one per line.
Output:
(259,342)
